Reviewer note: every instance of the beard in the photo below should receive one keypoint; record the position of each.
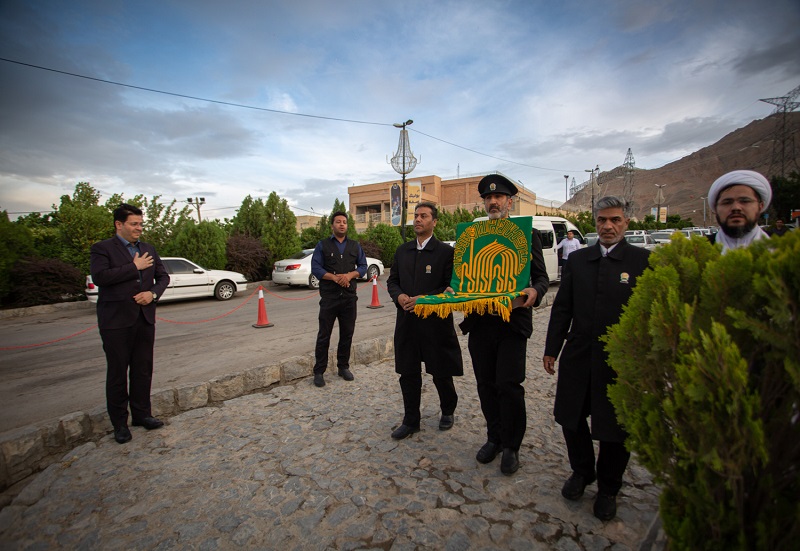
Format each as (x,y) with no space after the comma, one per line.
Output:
(497,214)
(736,232)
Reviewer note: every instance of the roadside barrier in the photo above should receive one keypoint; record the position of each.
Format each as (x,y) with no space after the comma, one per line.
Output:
(262,311)
(375,302)
(259,323)
(210,319)
(49,342)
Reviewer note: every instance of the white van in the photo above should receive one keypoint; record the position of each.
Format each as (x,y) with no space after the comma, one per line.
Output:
(552,229)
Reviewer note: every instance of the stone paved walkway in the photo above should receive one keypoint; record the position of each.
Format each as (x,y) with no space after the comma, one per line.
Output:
(298,467)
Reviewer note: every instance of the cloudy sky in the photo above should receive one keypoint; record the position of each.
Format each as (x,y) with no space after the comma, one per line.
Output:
(535,89)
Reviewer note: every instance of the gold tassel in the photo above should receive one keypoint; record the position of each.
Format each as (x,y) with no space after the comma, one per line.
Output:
(493,305)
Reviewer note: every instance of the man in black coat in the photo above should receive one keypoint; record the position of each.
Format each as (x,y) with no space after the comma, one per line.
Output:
(595,284)
(498,348)
(423,266)
(131,277)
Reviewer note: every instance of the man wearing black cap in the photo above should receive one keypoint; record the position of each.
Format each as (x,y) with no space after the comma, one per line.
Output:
(498,348)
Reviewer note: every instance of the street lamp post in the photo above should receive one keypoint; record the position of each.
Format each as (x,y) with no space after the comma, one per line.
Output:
(197,203)
(403,163)
(566,187)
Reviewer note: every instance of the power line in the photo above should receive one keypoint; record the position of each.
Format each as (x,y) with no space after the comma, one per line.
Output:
(175,94)
(278,111)
(487,155)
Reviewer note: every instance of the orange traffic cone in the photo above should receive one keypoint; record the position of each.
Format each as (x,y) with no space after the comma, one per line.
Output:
(262,311)
(375,302)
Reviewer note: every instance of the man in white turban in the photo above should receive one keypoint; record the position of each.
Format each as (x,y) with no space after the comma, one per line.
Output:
(738,198)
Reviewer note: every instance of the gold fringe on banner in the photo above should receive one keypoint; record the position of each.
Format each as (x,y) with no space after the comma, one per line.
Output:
(499,305)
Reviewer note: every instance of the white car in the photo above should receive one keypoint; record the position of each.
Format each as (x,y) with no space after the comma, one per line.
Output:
(188,280)
(297,270)
(661,237)
(645,241)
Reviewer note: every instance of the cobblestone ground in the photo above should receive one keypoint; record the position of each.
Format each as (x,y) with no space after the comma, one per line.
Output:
(299,467)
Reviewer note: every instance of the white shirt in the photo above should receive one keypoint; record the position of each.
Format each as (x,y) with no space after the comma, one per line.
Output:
(608,250)
(421,246)
(567,246)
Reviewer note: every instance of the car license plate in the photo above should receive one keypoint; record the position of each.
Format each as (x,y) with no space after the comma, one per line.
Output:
(280,268)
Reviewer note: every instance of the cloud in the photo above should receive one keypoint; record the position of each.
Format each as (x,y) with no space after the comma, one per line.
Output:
(556,88)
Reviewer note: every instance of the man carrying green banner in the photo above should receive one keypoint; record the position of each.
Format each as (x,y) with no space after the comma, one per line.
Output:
(498,275)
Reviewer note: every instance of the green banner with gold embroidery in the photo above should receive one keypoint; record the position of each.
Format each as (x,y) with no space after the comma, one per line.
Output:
(490,269)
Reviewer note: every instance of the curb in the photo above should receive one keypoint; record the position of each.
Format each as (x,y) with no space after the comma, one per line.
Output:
(28,450)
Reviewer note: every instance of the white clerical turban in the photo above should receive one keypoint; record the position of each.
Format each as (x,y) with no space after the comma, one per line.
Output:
(747,178)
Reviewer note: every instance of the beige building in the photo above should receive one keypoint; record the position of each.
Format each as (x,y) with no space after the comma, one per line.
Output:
(307,221)
(371,202)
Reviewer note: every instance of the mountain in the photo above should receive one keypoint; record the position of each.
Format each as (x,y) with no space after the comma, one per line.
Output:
(686,180)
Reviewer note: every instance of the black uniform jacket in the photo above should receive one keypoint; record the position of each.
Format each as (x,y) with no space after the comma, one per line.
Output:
(114,272)
(590,298)
(521,320)
(432,339)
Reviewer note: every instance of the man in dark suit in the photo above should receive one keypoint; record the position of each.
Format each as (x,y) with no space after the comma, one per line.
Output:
(498,348)
(423,266)
(131,277)
(595,284)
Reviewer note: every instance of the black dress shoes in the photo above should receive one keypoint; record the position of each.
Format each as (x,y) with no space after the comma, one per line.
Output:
(575,485)
(346,374)
(605,506)
(319,379)
(510,462)
(149,423)
(446,422)
(488,452)
(122,434)
(404,431)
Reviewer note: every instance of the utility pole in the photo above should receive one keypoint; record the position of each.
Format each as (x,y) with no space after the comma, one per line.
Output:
(197,203)
(659,200)
(704,211)
(627,186)
(591,183)
(783,146)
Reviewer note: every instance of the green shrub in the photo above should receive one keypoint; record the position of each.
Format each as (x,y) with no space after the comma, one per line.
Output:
(202,243)
(387,239)
(707,354)
(248,256)
(36,281)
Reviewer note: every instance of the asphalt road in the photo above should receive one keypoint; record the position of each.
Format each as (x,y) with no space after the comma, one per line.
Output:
(45,382)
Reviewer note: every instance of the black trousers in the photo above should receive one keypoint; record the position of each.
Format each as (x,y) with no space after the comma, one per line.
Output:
(129,353)
(342,308)
(411,386)
(612,458)
(498,359)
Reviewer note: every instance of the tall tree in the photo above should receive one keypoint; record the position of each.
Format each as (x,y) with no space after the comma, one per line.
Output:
(16,242)
(163,220)
(44,230)
(785,196)
(250,218)
(339,206)
(82,222)
(279,233)
(202,243)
